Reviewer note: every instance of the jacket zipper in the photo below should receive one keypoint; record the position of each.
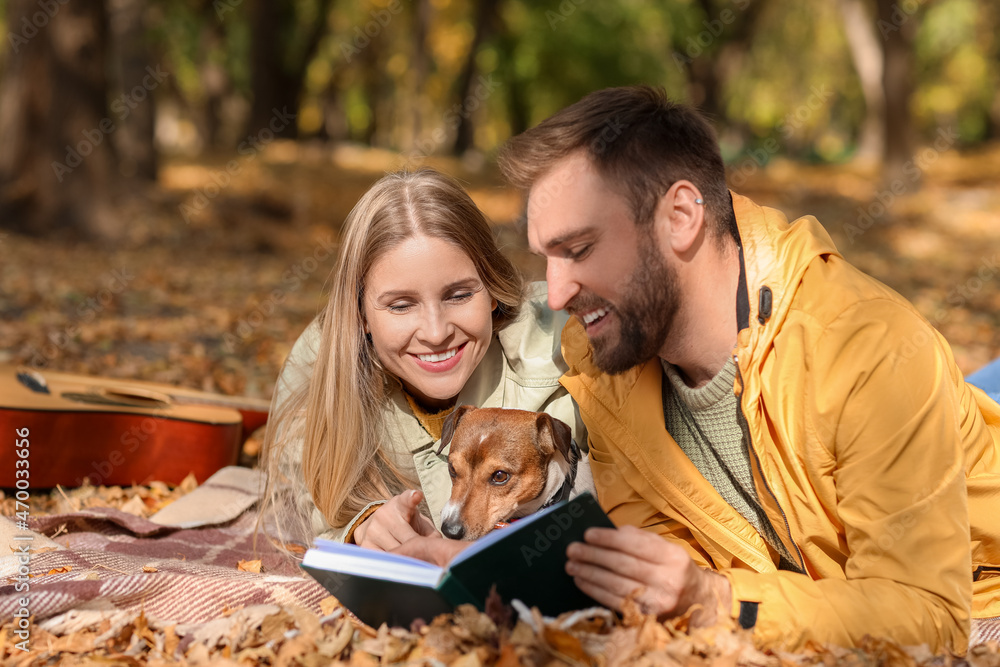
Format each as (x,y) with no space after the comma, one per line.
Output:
(745,427)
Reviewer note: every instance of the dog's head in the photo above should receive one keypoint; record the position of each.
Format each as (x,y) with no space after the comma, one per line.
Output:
(504,464)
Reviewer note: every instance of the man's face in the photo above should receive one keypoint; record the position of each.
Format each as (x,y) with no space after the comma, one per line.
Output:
(601,267)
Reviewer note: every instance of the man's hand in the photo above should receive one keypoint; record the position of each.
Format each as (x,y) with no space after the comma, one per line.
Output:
(395,522)
(438,550)
(613,563)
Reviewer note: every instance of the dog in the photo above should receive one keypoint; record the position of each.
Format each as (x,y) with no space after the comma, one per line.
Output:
(506,464)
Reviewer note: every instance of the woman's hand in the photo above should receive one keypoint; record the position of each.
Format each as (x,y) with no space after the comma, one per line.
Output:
(439,550)
(395,522)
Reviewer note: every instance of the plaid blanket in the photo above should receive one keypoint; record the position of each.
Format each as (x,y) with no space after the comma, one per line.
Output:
(179,567)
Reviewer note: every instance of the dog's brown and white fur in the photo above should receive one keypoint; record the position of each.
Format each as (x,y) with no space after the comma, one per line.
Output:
(506,464)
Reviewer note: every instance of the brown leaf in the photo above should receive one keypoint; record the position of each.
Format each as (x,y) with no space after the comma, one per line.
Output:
(249,566)
(328,605)
(149,568)
(565,644)
(333,647)
(170,641)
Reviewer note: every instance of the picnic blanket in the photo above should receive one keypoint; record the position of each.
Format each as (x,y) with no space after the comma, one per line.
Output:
(178,567)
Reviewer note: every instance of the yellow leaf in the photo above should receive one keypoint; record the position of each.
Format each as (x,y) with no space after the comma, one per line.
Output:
(149,568)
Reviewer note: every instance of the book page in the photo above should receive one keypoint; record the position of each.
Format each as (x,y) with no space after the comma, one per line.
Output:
(352,559)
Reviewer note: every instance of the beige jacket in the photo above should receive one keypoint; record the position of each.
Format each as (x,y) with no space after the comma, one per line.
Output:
(521,369)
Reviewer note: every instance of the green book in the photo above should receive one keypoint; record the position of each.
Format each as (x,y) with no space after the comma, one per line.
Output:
(525,560)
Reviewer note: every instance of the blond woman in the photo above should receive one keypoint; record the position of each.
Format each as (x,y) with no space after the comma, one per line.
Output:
(424,313)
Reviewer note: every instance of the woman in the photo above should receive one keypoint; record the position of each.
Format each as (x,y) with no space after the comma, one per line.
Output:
(425,313)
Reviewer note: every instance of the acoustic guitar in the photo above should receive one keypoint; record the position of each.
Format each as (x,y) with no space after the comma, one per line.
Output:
(62,428)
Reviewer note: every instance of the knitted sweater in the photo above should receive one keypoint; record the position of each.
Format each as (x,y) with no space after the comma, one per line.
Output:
(703,422)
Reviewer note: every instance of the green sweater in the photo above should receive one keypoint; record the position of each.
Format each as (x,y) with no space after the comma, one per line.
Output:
(703,422)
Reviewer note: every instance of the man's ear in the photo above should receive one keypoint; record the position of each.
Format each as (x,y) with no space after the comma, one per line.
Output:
(451,423)
(680,216)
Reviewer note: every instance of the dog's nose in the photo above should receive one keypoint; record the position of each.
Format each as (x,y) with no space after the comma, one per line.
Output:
(454,531)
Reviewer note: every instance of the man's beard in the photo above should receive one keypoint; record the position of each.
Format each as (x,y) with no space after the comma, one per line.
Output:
(645,315)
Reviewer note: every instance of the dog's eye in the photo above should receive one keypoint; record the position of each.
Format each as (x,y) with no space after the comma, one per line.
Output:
(451,470)
(500,477)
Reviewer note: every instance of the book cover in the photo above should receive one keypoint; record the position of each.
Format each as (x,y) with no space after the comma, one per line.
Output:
(525,561)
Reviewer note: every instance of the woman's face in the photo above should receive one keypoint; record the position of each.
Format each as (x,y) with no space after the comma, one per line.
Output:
(429,316)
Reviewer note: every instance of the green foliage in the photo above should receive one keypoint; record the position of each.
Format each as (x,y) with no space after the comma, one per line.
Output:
(780,70)
(956,53)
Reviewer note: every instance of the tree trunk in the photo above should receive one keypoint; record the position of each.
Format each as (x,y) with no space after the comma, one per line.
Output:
(214,78)
(419,67)
(56,159)
(486,16)
(897,28)
(866,53)
(280,56)
(136,119)
(708,71)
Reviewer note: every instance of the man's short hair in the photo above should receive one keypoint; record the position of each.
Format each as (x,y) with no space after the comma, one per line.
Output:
(640,142)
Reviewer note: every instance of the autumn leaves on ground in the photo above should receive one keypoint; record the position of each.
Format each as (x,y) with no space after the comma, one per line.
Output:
(221,271)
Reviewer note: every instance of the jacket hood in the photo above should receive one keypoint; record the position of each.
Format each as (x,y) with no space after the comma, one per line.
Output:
(775,255)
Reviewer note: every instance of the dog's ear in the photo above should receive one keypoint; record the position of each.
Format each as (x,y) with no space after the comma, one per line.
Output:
(451,423)
(554,435)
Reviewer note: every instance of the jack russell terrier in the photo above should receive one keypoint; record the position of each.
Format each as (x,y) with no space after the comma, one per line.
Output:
(506,464)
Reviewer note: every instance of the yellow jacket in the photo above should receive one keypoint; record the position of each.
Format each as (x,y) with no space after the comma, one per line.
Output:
(870,455)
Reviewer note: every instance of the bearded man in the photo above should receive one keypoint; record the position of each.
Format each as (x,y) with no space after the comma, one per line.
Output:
(782,440)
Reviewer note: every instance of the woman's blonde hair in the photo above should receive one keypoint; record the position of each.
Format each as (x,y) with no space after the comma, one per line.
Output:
(338,411)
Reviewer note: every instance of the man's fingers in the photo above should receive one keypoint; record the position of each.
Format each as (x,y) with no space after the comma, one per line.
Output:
(602,596)
(612,560)
(636,542)
(611,582)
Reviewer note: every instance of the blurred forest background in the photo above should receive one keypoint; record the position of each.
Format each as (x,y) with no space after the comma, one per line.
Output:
(174,173)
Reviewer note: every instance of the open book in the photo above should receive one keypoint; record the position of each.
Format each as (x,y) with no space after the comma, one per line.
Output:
(526,561)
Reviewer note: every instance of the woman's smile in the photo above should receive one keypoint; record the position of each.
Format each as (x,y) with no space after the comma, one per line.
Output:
(440,362)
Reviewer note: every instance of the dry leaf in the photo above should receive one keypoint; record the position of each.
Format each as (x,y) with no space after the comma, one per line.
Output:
(339,642)
(149,568)
(565,644)
(170,640)
(188,484)
(229,611)
(58,570)
(296,549)
(135,506)
(249,566)
(328,605)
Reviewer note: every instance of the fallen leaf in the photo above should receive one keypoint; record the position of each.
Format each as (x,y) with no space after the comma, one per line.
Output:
(149,568)
(188,484)
(328,605)
(135,506)
(249,566)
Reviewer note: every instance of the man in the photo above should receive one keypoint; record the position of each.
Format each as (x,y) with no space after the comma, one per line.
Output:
(780,438)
